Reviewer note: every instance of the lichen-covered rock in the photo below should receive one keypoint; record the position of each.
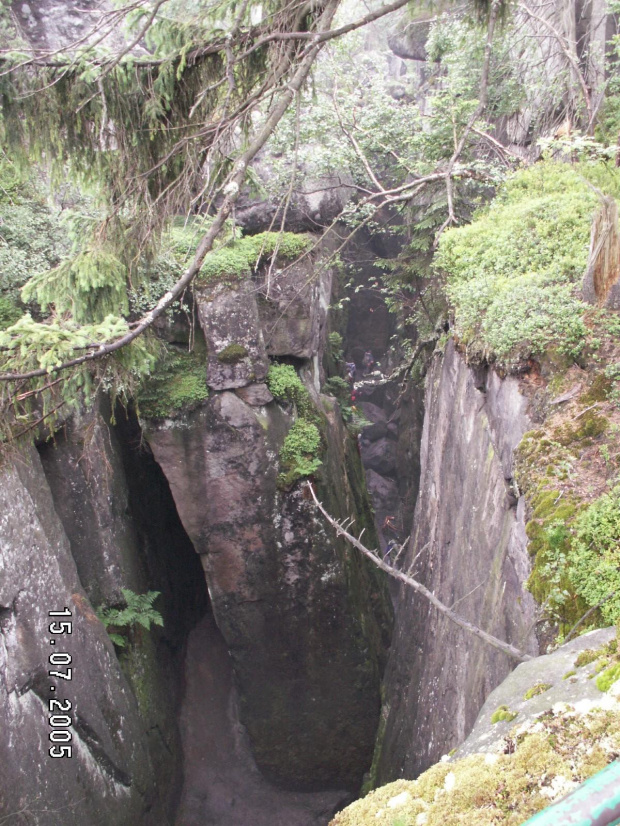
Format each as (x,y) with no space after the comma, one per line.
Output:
(109,777)
(235,344)
(505,772)
(470,549)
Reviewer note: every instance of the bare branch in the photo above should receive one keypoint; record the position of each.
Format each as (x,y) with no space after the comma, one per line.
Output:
(500,645)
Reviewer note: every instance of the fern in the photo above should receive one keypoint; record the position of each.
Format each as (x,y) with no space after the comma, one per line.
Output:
(138,610)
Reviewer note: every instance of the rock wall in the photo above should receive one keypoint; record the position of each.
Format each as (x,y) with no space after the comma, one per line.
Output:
(305,621)
(469,548)
(87,515)
(109,778)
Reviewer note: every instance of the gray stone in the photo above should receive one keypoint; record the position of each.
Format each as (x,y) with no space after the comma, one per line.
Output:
(109,776)
(256,395)
(469,546)
(229,319)
(579,690)
(305,644)
(380,456)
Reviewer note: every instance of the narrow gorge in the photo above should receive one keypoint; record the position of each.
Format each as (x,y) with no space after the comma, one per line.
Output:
(256,254)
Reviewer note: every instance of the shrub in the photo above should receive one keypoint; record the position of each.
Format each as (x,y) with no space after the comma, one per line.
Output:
(286,386)
(594,560)
(299,451)
(511,273)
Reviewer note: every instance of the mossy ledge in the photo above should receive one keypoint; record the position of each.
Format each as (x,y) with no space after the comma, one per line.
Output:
(547,759)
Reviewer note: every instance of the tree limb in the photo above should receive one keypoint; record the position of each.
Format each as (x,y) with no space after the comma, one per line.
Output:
(500,645)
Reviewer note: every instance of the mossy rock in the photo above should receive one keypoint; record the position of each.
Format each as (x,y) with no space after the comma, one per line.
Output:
(611,675)
(537,689)
(240,257)
(232,354)
(503,714)
(177,385)
(564,749)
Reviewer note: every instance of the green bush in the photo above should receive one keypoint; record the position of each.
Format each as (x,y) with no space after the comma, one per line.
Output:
(512,272)
(286,386)
(138,611)
(299,451)
(594,559)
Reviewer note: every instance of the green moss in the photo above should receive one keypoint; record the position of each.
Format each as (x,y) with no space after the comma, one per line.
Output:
(177,385)
(605,680)
(232,354)
(588,426)
(238,258)
(586,657)
(537,689)
(569,674)
(506,789)
(503,713)
(511,272)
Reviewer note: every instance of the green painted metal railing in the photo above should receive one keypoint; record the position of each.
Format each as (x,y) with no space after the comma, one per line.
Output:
(595,803)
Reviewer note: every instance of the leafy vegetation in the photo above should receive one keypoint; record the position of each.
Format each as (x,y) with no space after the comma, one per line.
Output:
(138,611)
(594,557)
(299,453)
(511,273)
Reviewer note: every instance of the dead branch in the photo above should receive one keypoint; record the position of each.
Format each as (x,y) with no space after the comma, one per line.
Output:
(500,645)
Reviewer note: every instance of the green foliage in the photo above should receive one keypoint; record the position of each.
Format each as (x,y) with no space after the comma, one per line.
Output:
(238,258)
(512,272)
(9,312)
(299,451)
(286,386)
(611,675)
(594,561)
(503,713)
(335,346)
(537,689)
(137,612)
(177,385)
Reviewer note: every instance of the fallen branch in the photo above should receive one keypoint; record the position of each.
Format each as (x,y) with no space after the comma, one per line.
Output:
(594,608)
(504,647)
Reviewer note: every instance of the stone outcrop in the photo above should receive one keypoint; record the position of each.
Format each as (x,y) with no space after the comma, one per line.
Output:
(305,621)
(469,548)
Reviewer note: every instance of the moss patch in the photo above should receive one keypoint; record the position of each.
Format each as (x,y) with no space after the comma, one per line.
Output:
(232,354)
(238,258)
(537,689)
(564,749)
(177,385)
(503,713)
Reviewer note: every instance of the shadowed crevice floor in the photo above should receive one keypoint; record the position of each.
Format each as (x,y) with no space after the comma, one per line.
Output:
(222,786)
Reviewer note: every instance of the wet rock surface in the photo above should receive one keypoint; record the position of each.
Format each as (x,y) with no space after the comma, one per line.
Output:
(109,778)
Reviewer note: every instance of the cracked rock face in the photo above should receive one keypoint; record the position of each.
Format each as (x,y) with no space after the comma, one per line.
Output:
(470,548)
(107,779)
